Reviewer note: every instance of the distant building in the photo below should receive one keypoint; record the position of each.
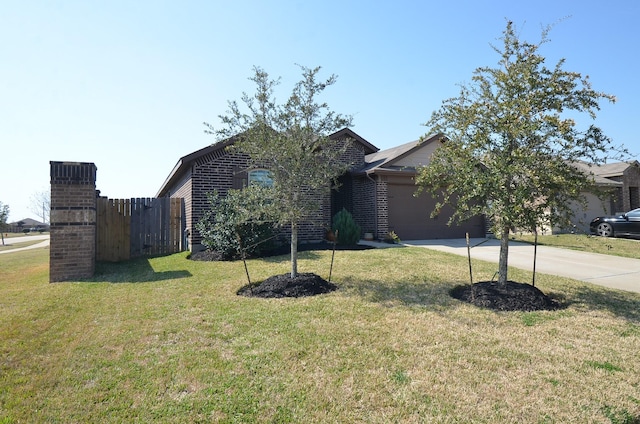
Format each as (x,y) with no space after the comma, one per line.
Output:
(27,225)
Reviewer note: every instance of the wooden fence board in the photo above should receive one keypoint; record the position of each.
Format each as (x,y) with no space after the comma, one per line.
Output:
(112,230)
(129,228)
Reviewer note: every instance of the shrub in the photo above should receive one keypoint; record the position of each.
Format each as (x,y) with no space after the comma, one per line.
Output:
(225,227)
(347,229)
(392,238)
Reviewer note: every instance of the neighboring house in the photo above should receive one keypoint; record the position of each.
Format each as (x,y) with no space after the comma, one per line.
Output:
(378,190)
(626,196)
(618,190)
(387,195)
(27,224)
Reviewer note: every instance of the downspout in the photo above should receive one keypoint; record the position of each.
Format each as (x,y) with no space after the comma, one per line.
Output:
(375,202)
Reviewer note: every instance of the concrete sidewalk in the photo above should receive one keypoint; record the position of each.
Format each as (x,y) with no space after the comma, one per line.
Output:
(44,242)
(605,270)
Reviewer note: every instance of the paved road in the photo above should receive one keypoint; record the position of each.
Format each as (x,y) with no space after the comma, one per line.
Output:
(605,270)
(44,241)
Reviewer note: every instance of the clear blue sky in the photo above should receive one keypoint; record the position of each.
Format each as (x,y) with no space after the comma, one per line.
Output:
(127,84)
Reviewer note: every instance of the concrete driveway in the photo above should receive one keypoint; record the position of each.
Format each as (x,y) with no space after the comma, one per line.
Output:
(44,241)
(605,270)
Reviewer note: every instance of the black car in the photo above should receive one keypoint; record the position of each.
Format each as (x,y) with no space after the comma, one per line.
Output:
(626,224)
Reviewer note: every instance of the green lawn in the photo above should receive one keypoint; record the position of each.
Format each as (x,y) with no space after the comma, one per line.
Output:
(629,248)
(167,340)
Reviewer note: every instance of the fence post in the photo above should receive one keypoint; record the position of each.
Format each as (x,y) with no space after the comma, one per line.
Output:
(72,252)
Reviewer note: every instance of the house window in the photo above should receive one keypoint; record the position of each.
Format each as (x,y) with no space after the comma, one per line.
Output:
(261,177)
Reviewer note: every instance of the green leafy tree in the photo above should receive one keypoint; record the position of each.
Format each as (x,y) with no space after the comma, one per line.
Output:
(511,143)
(291,140)
(4,217)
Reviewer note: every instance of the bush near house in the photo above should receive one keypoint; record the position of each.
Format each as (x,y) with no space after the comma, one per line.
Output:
(227,231)
(346,228)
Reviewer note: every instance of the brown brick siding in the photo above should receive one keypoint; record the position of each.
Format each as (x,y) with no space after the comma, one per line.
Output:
(222,170)
(216,174)
(354,155)
(631,192)
(382,208)
(183,190)
(72,252)
(73,221)
(364,204)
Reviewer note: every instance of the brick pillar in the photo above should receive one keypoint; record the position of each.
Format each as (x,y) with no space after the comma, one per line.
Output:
(73,221)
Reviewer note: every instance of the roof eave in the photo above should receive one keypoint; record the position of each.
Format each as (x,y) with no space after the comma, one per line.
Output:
(186,161)
(347,132)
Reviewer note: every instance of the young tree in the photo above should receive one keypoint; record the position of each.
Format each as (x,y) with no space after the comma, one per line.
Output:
(292,141)
(4,217)
(509,146)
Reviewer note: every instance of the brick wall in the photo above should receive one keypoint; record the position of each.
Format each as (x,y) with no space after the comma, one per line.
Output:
(223,170)
(354,155)
(73,221)
(631,193)
(364,204)
(382,199)
(183,189)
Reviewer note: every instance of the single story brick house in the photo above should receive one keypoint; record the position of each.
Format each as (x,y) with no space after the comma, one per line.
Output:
(378,190)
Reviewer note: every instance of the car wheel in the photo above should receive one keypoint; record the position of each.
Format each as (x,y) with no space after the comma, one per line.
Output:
(604,230)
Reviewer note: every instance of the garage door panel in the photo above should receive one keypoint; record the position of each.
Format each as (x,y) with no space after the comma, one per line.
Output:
(409,217)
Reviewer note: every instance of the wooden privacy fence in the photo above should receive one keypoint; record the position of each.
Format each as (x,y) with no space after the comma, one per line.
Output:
(130,228)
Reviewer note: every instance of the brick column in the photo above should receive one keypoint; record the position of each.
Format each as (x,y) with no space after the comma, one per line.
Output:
(73,221)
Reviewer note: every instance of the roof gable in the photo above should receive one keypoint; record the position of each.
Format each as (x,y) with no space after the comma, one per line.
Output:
(405,157)
(616,169)
(598,179)
(348,133)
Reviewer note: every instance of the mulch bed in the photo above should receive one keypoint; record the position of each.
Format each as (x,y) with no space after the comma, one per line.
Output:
(510,297)
(486,294)
(304,284)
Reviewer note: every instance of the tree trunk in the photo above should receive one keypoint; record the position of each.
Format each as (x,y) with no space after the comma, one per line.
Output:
(504,255)
(294,250)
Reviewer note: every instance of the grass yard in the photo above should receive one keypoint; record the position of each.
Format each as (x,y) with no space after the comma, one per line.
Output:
(629,248)
(168,340)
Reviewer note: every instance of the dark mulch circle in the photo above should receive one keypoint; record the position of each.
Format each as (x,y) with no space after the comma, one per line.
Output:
(306,284)
(510,297)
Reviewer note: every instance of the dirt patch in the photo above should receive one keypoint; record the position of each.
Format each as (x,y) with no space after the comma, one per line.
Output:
(510,297)
(306,284)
